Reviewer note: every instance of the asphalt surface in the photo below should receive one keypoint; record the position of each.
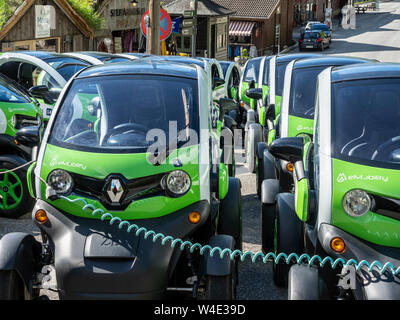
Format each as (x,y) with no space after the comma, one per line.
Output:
(377,36)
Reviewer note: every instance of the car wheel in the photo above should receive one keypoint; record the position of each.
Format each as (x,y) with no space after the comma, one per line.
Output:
(222,287)
(15,199)
(11,286)
(267,227)
(230,213)
(288,236)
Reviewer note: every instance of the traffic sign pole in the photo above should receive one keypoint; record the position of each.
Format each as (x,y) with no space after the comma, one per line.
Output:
(194,35)
(154,28)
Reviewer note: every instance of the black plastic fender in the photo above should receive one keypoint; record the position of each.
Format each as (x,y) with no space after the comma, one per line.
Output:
(269,165)
(254,137)
(215,266)
(261,146)
(230,212)
(7,146)
(15,160)
(20,252)
(305,283)
(269,191)
(230,122)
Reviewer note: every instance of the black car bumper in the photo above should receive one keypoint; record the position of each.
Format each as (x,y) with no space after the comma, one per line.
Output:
(94,260)
(369,285)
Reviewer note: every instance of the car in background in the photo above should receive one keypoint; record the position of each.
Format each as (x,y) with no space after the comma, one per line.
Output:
(323,27)
(18,110)
(102,57)
(314,40)
(43,74)
(232,76)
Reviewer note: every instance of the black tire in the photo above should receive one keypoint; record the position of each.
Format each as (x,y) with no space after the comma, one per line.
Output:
(289,235)
(259,175)
(267,227)
(230,213)
(222,287)
(26,203)
(11,286)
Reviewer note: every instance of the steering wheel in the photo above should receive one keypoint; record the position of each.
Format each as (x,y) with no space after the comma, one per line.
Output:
(309,112)
(385,148)
(125,128)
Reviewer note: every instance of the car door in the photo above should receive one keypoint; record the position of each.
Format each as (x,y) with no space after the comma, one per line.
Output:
(31,73)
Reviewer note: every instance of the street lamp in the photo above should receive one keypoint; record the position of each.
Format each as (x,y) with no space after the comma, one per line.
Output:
(133,2)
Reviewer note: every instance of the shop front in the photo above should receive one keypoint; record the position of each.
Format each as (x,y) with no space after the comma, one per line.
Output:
(121,32)
(51,25)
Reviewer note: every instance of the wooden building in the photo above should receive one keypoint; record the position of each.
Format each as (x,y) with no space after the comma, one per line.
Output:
(121,30)
(51,25)
(262,27)
(212,28)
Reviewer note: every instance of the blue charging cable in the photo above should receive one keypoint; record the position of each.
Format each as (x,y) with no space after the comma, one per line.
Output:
(173,242)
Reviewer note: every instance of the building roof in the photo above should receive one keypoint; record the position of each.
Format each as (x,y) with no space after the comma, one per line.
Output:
(206,8)
(64,5)
(250,9)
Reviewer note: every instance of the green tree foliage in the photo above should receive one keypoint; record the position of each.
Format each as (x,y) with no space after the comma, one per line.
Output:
(83,7)
(7,8)
(86,11)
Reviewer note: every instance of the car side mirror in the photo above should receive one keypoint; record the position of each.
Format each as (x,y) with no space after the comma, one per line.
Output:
(227,105)
(256,93)
(217,82)
(39,92)
(270,113)
(289,149)
(28,136)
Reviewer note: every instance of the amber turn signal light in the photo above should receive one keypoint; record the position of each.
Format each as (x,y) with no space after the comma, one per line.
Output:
(194,217)
(338,245)
(290,167)
(41,216)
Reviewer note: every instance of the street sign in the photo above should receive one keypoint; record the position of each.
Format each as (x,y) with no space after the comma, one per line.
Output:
(187,32)
(165,24)
(188,23)
(188,14)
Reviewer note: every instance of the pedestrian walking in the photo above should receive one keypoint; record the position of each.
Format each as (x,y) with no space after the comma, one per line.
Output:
(340,17)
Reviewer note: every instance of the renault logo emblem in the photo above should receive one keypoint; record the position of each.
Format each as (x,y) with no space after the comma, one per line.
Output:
(115,190)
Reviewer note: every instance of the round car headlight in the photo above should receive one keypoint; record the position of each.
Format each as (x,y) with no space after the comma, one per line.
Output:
(60,181)
(178,183)
(356,203)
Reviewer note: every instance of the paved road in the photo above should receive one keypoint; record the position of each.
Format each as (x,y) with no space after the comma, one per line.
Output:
(378,37)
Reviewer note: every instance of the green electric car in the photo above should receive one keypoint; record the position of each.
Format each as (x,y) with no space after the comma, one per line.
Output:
(152,158)
(17,110)
(346,201)
(260,127)
(296,119)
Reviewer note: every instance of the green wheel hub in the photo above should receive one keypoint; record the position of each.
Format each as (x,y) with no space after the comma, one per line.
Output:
(11,191)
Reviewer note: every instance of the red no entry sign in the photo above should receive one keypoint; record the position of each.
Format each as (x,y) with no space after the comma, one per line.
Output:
(165,24)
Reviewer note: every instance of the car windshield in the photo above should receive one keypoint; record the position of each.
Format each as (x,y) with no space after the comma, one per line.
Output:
(280,77)
(115,114)
(225,67)
(323,27)
(67,66)
(252,70)
(311,35)
(366,117)
(10,93)
(302,91)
